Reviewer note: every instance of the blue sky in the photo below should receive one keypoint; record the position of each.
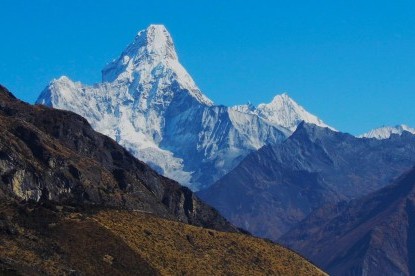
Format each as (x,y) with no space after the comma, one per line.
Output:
(352,63)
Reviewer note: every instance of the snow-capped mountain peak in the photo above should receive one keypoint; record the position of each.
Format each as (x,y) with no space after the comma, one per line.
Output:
(151,46)
(385,132)
(149,103)
(158,42)
(151,61)
(284,111)
(281,99)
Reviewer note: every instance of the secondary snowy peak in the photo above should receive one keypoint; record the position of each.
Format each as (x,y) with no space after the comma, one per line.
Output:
(282,111)
(386,132)
(151,60)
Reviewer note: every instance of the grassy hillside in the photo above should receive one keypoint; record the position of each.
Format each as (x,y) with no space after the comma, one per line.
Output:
(60,240)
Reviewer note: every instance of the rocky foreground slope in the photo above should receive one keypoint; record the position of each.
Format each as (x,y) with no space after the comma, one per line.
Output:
(72,201)
(36,240)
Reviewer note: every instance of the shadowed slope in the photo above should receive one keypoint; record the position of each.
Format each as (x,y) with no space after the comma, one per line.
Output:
(373,235)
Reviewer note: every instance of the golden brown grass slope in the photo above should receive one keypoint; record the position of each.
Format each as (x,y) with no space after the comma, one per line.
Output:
(42,240)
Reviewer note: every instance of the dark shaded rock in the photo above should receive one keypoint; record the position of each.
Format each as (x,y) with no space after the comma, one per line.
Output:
(374,235)
(49,155)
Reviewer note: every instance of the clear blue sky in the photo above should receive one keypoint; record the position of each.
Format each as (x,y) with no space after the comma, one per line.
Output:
(352,63)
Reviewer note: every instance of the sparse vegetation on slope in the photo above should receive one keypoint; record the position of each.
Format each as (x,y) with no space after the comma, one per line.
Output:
(39,240)
(172,247)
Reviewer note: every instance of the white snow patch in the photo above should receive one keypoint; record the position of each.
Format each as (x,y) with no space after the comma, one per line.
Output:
(385,132)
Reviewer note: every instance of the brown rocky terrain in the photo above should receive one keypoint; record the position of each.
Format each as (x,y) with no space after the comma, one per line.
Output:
(56,240)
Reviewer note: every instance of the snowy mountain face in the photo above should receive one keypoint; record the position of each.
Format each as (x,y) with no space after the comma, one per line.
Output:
(148,103)
(282,111)
(387,131)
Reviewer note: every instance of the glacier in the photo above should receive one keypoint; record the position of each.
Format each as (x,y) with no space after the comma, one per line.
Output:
(150,104)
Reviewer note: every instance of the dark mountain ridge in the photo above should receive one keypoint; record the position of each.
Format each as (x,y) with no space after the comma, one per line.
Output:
(273,189)
(373,235)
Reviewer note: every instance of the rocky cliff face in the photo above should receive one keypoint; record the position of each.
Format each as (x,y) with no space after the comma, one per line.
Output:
(272,190)
(373,235)
(53,155)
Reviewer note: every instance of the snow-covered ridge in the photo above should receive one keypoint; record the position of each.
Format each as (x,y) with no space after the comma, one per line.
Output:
(385,132)
(150,104)
(282,111)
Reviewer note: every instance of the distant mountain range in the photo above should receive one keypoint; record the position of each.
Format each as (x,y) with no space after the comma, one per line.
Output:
(149,104)
(386,131)
(275,188)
